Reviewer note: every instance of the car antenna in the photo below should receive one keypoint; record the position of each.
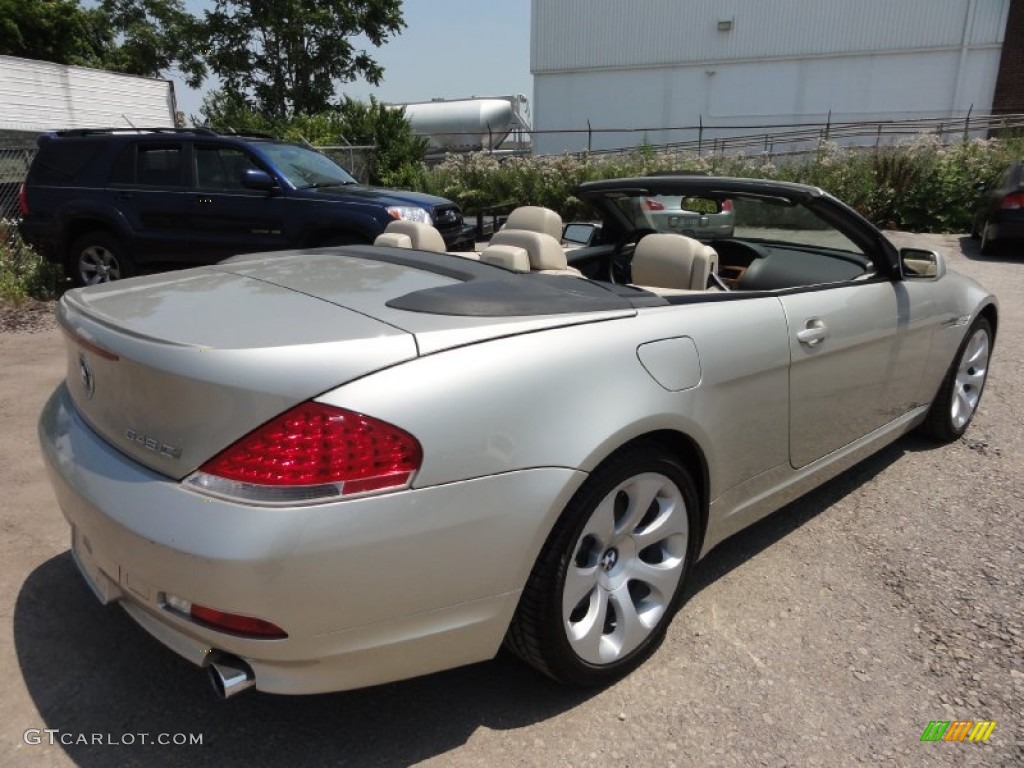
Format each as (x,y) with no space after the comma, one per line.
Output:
(125,118)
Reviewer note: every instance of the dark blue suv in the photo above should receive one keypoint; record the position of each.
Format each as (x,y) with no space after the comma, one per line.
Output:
(103,202)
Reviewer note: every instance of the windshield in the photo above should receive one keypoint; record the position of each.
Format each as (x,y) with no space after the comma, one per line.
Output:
(305,168)
(710,218)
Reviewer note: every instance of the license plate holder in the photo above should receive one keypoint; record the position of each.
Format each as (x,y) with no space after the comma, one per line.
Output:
(102,585)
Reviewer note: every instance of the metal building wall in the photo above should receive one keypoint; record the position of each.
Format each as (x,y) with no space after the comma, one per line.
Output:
(659,63)
(40,96)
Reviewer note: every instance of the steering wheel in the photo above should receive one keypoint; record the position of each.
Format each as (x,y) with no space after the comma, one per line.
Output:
(619,262)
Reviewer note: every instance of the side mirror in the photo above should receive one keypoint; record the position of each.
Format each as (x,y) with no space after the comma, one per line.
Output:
(918,263)
(253,178)
(580,234)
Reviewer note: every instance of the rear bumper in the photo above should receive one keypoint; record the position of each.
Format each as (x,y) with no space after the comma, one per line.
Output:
(1009,226)
(369,590)
(41,237)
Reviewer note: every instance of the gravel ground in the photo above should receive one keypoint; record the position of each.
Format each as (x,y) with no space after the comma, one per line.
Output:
(829,634)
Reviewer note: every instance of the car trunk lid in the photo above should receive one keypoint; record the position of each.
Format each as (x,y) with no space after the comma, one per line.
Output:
(170,369)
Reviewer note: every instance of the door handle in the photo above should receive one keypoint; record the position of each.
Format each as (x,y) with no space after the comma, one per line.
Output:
(815,331)
(123,196)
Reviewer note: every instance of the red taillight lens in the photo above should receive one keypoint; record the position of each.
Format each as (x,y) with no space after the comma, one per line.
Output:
(237,625)
(22,201)
(1013,202)
(653,205)
(313,452)
(726,205)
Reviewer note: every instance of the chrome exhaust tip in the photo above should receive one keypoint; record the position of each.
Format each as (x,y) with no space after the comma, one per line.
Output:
(229,676)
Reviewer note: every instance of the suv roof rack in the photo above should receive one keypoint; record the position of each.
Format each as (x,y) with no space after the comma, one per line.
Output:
(231,132)
(99,131)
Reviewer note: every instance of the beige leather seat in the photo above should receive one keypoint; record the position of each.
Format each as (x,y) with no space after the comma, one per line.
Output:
(533,218)
(393,240)
(670,263)
(507,256)
(545,252)
(422,237)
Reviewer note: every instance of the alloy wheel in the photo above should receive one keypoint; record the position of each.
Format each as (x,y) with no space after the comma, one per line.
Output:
(625,569)
(98,265)
(970,378)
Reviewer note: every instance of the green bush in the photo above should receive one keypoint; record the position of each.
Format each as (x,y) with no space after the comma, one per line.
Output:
(394,163)
(920,185)
(25,274)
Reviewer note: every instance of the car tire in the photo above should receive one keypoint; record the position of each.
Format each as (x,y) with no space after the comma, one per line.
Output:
(988,245)
(958,397)
(975,233)
(98,257)
(610,576)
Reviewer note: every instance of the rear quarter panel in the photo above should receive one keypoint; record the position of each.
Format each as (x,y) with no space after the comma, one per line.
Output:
(570,397)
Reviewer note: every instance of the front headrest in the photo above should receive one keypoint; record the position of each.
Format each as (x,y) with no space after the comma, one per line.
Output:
(423,236)
(673,261)
(535,219)
(507,256)
(545,251)
(394,240)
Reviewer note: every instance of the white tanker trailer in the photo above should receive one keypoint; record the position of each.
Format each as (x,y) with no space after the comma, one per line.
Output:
(471,125)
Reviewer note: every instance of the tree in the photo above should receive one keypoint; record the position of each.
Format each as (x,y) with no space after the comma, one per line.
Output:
(398,149)
(139,37)
(284,56)
(154,36)
(54,30)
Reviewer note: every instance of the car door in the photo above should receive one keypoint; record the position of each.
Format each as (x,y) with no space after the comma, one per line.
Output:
(148,188)
(858,338)
(225,217)
(857,355)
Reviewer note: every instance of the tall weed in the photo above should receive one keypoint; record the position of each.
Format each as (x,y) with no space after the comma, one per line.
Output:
(920,185)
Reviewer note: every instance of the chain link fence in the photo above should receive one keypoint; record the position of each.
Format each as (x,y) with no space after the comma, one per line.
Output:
(357,160)
(14,162)
(781,139)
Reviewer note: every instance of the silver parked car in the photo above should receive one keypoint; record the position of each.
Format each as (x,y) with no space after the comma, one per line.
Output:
(323,469)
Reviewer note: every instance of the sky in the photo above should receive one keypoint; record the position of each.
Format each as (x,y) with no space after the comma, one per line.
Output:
(449,48)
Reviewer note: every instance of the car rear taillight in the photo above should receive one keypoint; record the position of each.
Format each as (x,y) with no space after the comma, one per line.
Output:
(653,205)
(726,205)
(22,201)
(1013,202)
(313,453)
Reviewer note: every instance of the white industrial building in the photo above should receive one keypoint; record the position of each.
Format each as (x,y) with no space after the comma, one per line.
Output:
(738,66)
(37,96)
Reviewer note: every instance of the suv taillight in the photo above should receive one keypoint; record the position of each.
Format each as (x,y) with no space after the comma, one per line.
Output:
(726,206)
(310,454)
(1013,202)
(22,201)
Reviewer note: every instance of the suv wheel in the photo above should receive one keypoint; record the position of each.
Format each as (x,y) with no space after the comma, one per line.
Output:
(98,257)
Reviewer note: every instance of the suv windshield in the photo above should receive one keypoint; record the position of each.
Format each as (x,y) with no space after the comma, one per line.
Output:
(305,168)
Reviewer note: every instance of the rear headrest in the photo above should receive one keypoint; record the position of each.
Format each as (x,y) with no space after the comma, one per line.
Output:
(673,261)
(535,219)
(544,250)
(423,236)
(507,256)
(394,240)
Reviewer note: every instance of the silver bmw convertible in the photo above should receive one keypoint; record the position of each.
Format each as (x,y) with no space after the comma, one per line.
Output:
(322,469)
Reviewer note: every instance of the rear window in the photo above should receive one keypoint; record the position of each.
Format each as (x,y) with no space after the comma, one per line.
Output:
(63,160)
(149,164)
